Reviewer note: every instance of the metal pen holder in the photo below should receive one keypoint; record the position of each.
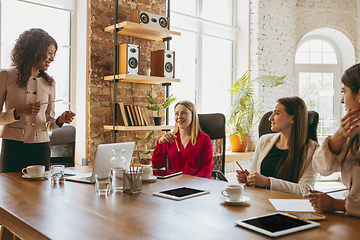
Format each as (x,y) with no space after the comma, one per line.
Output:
(132,182)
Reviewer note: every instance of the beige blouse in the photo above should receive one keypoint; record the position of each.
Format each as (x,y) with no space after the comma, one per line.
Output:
(32,128)
(325,162)
(306,181)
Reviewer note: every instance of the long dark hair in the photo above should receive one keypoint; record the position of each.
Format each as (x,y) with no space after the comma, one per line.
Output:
(292,166)
(31,48)
(351,79)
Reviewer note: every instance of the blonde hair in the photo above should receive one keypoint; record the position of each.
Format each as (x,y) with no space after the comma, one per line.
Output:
(194,125)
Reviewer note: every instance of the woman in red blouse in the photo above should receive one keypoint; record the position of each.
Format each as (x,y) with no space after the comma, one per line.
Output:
(188,148)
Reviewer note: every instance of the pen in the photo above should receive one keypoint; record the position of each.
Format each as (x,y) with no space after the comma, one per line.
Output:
(177,145)
(339,190)
(241,169)
(51,102)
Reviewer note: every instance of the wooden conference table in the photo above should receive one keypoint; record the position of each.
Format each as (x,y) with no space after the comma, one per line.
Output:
(37,210)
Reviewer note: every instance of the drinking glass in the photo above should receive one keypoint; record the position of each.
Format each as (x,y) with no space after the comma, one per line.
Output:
(57,174)
(102,184)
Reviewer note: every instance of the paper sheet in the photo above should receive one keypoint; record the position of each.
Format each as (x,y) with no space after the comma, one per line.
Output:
(292,205)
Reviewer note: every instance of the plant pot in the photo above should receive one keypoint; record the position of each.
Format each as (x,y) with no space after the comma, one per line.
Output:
(157,121)
(236,145)
(145,161)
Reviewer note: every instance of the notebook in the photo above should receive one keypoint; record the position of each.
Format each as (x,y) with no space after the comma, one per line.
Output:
(102,160)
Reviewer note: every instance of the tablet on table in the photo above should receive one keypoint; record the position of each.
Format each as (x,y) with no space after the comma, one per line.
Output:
(276,224)
(181,193)
(162,173)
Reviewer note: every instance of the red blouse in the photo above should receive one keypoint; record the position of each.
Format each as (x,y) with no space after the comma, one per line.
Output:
(193,160)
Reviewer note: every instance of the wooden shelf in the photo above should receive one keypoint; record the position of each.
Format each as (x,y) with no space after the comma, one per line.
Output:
(141,79)
(142,31)
(238,156)
(123,128)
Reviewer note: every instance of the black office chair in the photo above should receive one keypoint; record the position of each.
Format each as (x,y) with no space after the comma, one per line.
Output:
(313,120)
(62,146)
(213,124)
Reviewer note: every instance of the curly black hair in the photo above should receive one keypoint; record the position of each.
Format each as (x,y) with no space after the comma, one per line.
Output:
(30,48)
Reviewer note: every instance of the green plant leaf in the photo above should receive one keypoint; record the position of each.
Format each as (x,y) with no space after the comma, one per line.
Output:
(149,136)
(243,112)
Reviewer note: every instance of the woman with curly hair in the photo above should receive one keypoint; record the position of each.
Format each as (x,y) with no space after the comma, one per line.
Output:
(23,89)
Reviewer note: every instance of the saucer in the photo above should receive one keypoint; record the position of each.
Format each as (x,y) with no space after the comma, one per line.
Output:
(26,176)
(243,200)
(151,179)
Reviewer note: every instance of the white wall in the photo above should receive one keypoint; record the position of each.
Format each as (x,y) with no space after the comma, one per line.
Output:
(275,29)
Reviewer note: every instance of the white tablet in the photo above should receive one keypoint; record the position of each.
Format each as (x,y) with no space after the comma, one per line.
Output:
(276,224)
(181,193)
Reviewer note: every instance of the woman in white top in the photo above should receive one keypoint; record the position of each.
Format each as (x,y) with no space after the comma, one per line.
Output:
(282,161)
(341,152)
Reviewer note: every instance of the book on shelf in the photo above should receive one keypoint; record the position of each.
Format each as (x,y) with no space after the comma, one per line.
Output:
(121,118)
(129,115)
(132,114)
(144,116)
(138,115)
(141,116)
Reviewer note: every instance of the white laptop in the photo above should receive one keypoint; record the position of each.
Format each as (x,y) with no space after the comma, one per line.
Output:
(104,154)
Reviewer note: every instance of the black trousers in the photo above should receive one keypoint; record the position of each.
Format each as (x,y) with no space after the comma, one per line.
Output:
(16,155)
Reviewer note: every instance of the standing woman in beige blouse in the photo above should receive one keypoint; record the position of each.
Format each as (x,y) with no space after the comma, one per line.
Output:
(23,89)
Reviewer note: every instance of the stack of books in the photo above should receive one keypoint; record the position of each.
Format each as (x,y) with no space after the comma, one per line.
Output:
(130,115)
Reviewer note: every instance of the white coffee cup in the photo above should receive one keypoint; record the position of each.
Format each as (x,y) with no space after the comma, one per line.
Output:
(146,172)
(233,192)
(34,170)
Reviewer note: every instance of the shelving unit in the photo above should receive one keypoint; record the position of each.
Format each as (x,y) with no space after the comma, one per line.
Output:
(124,128)
(142,31)
(140,79)
(139,31)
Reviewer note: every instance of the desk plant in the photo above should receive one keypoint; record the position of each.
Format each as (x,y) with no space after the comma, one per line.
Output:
(158,108)
(244,114)
(144,155)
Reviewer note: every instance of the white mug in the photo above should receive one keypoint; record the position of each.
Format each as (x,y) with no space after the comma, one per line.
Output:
(233,192)
(146,172)
(34,170)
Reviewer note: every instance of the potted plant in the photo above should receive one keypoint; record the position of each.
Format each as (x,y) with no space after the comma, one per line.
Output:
(158,108)
(144,155)
(244,110)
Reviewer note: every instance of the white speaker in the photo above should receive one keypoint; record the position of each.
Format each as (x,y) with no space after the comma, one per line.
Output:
(163,63)
(149,19)
(128,58)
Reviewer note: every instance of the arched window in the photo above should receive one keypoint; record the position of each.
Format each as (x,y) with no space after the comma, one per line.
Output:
(317,68)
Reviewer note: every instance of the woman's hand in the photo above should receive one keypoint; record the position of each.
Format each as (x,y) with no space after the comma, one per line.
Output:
(168,137)
(66,117)
(349,123)
(324,203)
(241,176)
(256,179)
(29,109)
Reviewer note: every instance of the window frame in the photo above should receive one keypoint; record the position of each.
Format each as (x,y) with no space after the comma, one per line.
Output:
(322,68)
(205,27)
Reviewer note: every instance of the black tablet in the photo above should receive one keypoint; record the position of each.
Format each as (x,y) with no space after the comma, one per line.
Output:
(276,224)
(181,193)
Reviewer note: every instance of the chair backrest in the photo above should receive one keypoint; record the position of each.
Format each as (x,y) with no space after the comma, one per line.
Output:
(213,124)
(313,120)
(62,146)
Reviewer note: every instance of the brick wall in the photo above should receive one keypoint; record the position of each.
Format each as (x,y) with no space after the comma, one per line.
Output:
(101,61)
(275,29)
